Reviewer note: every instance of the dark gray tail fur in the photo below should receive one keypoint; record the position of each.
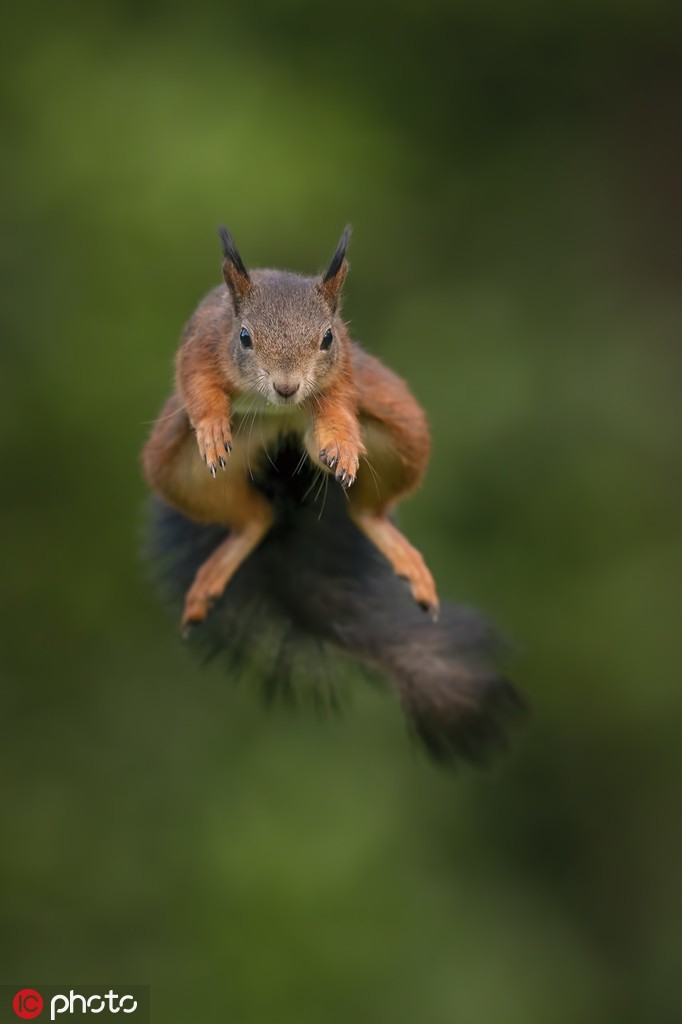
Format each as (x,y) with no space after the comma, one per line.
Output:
(317,585)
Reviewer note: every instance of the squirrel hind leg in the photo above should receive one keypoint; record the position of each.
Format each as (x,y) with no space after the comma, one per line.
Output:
(214,574)
(407,562)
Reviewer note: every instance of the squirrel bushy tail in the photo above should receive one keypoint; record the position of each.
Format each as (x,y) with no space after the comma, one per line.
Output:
(316,584)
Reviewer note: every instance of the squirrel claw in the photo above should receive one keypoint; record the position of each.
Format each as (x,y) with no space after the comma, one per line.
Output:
(432,610)
(343,463)
(328,458)
(215,442)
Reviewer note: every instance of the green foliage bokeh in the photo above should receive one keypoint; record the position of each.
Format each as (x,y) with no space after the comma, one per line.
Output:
(512,174)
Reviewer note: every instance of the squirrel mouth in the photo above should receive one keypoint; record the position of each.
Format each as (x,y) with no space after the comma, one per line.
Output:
(292,402)
(286,396)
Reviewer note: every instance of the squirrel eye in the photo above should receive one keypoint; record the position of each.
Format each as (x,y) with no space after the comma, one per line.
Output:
(327,339)
(245,338)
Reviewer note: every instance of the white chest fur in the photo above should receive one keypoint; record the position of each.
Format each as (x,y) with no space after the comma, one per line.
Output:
(253,416)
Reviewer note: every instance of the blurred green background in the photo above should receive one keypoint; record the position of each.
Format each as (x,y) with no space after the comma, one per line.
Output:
(512,173)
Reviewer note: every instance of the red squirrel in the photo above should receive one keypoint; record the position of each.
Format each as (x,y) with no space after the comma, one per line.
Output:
(266,355)
(271,393)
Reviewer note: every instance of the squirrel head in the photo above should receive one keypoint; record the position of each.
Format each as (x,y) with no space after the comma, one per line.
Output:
(288,337)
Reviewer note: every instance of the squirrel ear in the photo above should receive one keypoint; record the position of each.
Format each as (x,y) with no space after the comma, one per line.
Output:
(235,273)
(332,281)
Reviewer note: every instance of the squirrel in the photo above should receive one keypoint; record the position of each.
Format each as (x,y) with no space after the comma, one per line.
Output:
(272,394)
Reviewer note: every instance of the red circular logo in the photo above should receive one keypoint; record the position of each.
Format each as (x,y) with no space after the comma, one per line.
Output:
(27,1003)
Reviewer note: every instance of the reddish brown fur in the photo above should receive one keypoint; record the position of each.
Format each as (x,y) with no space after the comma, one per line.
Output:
(355,418)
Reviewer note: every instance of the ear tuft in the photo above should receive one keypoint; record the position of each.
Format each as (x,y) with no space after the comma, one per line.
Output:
(235,273)
(230,251)
(339,256)
(332,280)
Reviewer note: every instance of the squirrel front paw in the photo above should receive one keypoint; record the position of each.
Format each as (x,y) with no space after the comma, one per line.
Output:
(343,462)
(214,437)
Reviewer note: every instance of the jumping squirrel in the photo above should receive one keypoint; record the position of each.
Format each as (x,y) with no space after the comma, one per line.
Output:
(270,392)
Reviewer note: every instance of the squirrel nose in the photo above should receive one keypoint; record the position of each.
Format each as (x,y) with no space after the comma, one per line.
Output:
(286,390)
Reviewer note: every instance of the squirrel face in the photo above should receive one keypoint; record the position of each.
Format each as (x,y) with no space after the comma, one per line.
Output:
(288,338)
(285,344)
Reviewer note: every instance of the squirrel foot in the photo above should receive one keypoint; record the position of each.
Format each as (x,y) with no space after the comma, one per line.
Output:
(214,437)
(424,589)
(196,609)
(343,461)
(209,584)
